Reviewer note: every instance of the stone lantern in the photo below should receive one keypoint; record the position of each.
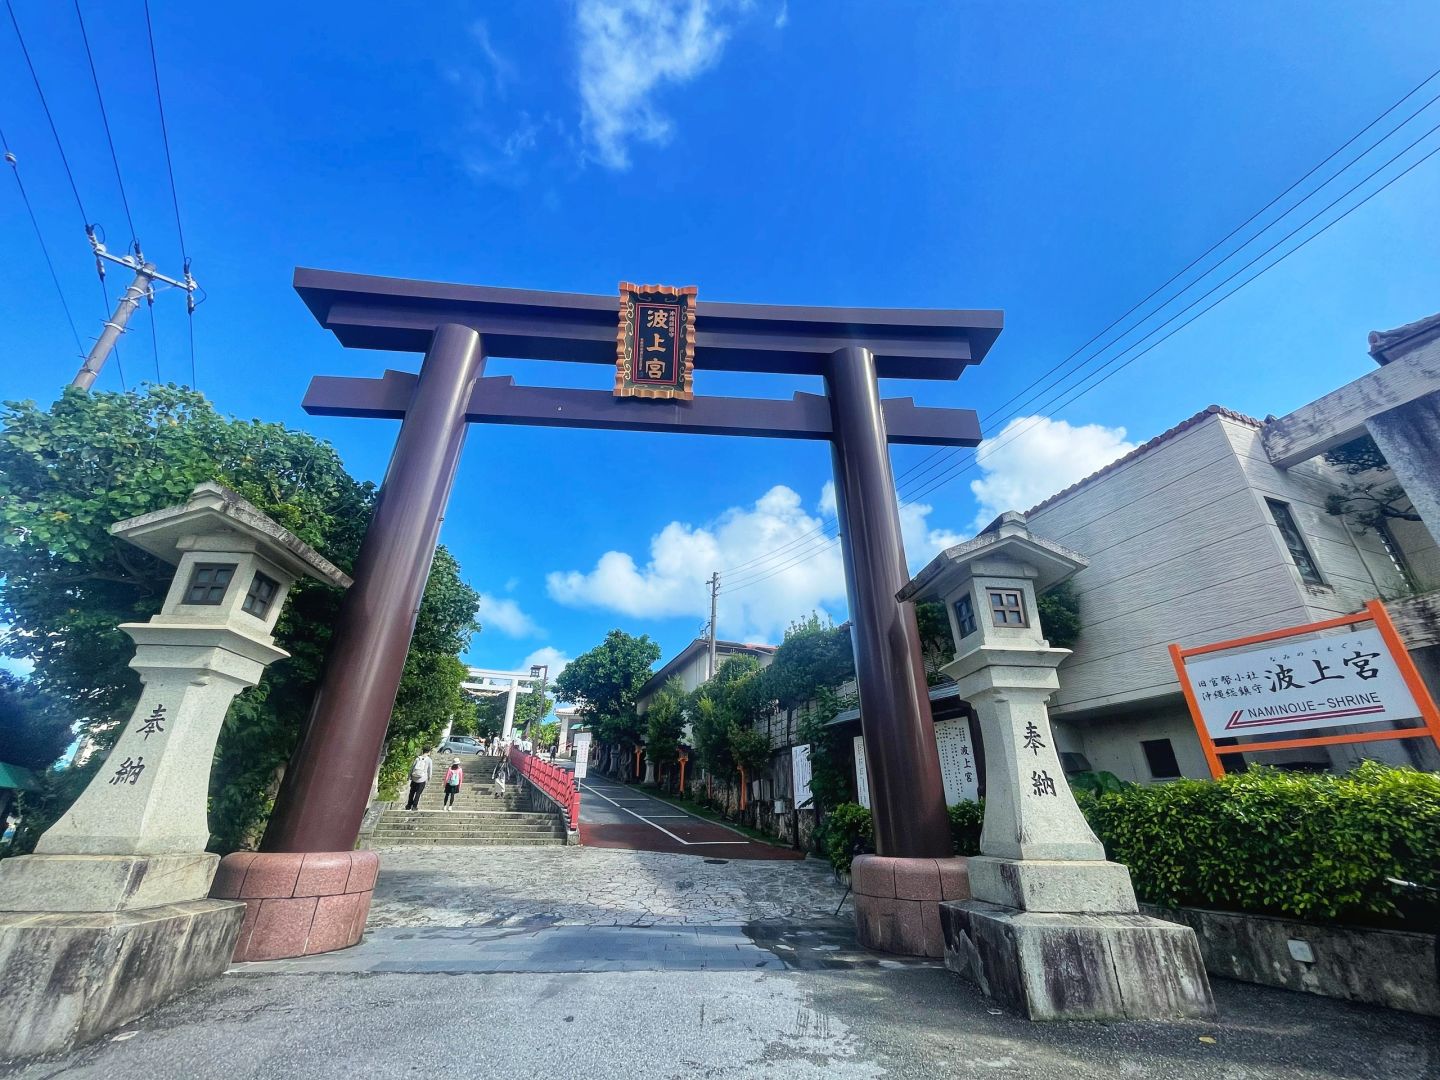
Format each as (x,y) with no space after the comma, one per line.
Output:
(127,862)
(1051,927)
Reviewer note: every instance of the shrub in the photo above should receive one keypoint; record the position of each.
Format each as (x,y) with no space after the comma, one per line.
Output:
(1309,846)
(966,818)
(846,826)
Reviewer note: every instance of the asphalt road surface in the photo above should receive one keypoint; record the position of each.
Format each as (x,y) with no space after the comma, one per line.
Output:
(616,815)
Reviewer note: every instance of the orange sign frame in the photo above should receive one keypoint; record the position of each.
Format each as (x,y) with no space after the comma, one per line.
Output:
(1373,612)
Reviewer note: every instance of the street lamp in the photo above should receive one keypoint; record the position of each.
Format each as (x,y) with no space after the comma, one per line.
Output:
(541,672)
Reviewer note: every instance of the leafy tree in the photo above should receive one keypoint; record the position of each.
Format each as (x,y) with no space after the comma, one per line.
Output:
(69,472)
(1060,615)
(1374,497)
(829,752)
(546,735)
(604,682)
(530,711)
(34,727)
(665,724)
(937,642)
(751,752)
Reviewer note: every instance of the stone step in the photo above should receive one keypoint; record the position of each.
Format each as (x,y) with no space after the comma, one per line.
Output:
(463,841)
(451,826)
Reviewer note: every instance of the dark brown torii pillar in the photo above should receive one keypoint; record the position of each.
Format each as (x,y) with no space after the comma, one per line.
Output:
(326,787)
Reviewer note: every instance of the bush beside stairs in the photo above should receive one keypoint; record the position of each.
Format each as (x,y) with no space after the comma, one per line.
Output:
(478,818)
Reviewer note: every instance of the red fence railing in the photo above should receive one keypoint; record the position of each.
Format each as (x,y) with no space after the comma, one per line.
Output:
(556,784)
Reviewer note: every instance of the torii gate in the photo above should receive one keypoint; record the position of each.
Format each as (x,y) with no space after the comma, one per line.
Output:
(325,790)
(487,682)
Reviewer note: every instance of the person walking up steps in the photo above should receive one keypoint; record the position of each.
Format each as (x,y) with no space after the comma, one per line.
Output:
(419,777)
(454,776)
(500,781)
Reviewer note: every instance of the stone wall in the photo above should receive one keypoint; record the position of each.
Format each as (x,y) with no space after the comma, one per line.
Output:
(1393,968)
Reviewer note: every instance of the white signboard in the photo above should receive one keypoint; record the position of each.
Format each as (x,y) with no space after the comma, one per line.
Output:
(800,775)
(1300,685)
(957,761)
(862,776)
(582,754)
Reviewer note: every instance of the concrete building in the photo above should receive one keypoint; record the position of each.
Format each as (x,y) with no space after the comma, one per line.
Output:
(1223,526)
(691,665)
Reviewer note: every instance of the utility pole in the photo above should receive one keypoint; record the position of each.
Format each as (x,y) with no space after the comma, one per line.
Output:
(143,285)
(714,584)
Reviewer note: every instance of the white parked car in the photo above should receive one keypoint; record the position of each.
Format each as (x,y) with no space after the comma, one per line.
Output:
(460,744)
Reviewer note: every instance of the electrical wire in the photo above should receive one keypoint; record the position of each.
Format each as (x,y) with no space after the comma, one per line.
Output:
(45,105)
(174,191)
(1081,390)
(39,236)
(105,120)
(945,458)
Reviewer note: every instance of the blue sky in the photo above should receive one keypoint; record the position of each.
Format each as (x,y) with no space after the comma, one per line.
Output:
(1058,161)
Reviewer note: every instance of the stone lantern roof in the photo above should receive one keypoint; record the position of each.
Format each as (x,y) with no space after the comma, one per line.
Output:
(1006,539)
(162,531)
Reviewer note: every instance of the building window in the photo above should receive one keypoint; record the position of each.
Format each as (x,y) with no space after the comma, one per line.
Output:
(1392,549)
(965,615)
(1304,561)
(262,592)
(209,582)
(1160,756)
(1007,607)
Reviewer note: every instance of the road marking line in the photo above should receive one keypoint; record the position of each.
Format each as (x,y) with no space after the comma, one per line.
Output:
(661,828)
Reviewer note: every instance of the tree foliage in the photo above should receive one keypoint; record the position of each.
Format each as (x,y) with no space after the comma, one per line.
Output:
(604,683)
(69,472)
(665,723)
(1060,615)
(1373,497)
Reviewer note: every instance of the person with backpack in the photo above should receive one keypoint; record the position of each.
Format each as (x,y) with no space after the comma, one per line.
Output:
(419,777)
(454,775)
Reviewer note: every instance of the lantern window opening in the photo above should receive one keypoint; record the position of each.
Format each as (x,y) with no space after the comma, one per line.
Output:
(1007,607)
(965,616)
(209,582)
(261,595)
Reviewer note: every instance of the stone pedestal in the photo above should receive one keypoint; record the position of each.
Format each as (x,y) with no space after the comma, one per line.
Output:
(70,977)
(110,916)
(897,901)
(1069,966)
(297,903)
(1051,927)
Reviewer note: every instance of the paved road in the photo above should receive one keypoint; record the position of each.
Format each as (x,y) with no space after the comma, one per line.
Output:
(599,964)
(614,815)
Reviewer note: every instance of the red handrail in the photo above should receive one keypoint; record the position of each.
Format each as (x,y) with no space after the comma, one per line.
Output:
(556,784)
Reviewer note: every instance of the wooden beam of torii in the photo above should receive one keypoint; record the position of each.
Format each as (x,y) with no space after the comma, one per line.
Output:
(323,796)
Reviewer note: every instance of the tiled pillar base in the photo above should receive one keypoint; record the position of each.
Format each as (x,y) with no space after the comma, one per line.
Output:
(297,903)
(897,901)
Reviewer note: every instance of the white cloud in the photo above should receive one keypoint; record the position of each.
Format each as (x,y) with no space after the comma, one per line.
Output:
(828,506)
(548,654)
(1033,457)
(782,17)
(778,566)
(628,48)
(503,614)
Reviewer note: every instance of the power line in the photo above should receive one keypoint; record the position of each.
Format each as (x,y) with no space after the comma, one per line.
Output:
(945,458)
(164,131)
(105,120)
(84,217)
(39,236)
(949,455)
(174,192)
(1079,390)
(1086,389)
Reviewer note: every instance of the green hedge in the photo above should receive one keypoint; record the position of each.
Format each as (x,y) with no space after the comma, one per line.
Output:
(1306,845)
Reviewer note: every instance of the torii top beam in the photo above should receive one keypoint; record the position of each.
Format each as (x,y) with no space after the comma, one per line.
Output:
(402,315)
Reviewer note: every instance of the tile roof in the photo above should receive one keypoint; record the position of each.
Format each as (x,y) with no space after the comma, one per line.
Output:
(1145,448)
(1383,343)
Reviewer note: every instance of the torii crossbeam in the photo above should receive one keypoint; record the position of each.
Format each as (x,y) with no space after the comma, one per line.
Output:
(326,787)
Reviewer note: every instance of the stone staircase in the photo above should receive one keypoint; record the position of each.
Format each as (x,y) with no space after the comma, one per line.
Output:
(478,818)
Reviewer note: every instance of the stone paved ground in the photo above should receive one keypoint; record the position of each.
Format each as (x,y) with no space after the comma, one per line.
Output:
(581,886)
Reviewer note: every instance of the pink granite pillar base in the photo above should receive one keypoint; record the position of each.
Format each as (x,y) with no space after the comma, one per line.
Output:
(297,903)
(897,901)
